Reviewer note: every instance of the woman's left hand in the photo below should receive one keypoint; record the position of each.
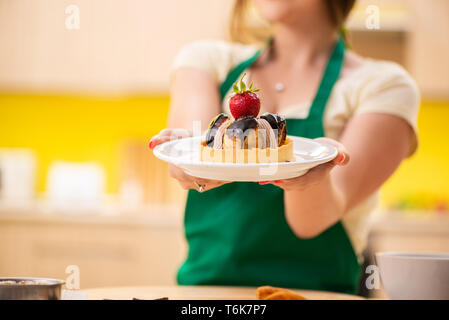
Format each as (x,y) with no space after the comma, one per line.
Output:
(317,174)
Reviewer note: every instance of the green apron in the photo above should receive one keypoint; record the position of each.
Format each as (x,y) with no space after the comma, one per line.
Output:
(238,235)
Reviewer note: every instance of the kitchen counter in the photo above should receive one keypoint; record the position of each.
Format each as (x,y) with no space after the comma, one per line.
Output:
(150,215)
(198,293)
(414,222)
(40,241)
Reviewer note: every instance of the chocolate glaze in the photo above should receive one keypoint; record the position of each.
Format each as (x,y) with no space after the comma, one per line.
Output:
(278,124)
(241,127)
(213,127)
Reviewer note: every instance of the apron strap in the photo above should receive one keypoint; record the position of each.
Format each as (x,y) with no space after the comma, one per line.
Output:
(330,77)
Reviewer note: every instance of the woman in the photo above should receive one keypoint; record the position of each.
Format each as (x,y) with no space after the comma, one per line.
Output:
(306,232)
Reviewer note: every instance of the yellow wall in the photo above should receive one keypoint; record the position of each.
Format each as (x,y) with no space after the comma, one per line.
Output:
(78,129)
(91,129)
(423,180)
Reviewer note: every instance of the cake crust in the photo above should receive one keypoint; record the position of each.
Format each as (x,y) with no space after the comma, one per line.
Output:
(282,153)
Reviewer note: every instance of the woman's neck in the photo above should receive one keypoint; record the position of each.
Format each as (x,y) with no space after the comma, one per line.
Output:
(303,42)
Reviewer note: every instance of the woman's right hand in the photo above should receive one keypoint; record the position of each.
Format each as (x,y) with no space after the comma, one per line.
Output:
(186,181)
(169,134)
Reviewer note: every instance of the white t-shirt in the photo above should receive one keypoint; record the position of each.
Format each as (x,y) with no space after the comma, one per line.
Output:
(375,86)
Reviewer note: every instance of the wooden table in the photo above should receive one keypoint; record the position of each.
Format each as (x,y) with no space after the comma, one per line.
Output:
(198,293)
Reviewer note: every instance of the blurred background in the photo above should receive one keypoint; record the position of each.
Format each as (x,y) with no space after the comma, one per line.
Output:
(84,85)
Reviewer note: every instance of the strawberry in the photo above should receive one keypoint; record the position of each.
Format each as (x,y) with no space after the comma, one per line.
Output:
(244,102)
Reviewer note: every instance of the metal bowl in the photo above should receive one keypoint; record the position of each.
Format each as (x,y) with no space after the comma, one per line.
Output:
(30,289)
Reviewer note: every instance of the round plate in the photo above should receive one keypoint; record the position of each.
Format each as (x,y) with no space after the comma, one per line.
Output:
(184,153)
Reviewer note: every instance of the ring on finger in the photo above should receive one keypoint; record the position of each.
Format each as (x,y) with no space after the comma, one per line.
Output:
(200,187)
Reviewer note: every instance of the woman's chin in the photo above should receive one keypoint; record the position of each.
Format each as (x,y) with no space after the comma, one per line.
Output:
(276,17)
(286,12)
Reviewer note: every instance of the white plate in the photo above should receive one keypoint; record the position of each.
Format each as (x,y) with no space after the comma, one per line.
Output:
(184,153)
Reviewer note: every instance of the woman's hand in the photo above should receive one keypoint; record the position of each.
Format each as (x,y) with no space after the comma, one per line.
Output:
(186,181)
(313,202)
(168,135)
(315,175)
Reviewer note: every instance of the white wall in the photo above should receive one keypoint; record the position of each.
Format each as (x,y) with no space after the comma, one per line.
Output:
(429,47)
(121,46)
(128,45)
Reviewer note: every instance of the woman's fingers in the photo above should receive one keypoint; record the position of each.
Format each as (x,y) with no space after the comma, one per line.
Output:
(342,157)
(205,185)
(200,185)
(316,174)
(188,182)
(168,135)
(313,176)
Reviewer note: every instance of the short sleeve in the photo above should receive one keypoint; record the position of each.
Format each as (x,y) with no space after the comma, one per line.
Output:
(388,88)
(215,57)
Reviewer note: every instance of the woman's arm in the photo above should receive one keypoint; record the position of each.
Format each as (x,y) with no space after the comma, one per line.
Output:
(194,98)
(377,143)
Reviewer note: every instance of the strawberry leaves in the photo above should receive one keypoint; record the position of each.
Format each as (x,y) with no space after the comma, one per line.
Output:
(239,86)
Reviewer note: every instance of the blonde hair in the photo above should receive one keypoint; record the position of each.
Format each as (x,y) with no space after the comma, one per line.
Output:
(246,26)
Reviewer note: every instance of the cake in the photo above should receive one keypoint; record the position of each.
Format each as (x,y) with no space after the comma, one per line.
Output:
(246,137)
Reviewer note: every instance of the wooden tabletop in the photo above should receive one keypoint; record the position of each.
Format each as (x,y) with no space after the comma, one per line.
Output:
(198,293)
